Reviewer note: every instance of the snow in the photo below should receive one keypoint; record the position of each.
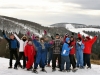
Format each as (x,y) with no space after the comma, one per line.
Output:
(80,30)
(5,71)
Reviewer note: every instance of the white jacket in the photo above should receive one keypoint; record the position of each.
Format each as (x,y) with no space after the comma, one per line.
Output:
(21,42)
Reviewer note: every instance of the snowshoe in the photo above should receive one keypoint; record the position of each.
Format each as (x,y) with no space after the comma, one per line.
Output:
(35,71)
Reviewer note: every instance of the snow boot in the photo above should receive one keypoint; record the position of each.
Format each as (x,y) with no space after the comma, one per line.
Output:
(43,70)
(68,70)
(35,71)
(53,69)
(10,67)
(48,65)
(88,67)
(74,70)
(16,68)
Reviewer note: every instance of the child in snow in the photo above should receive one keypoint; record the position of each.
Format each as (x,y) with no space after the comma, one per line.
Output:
(79,53)
(13,46)
(41,56)
(88,42)
(50,52)
(29,54)
(72,53)
(65,55)
(22,43)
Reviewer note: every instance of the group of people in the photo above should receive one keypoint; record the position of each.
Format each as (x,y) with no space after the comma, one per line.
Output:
(40,51)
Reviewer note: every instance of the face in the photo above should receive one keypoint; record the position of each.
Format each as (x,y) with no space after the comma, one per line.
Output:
(71,39)
(30,42)
(57,37)
(12,37)
(85,39)
(68,41)
(42,41)
(37,38)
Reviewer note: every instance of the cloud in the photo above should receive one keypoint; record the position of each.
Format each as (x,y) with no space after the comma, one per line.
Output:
(47,12)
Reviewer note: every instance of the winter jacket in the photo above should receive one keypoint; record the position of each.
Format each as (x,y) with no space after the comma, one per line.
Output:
(57,46)
(66,49)
(88,44)
(29,51)
(73,43)
(21,42)
(79,47)
(13,44)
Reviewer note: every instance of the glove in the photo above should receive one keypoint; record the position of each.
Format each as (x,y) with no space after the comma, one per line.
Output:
(72,33)
(71,47)
(33,37)
(96,35)
(3,32)
(26,58)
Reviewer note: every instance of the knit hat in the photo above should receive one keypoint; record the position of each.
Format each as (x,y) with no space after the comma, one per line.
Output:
(88,37)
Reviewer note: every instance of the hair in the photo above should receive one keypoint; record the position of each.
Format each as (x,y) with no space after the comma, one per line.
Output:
(29,39)
(42,38)
(79,39)
(24,37)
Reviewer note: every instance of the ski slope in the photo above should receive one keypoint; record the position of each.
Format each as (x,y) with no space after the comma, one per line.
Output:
(80,30)
(5,71)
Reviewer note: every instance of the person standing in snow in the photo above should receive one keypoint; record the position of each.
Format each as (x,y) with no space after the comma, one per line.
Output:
(65,55)
(88,42)
(79,53)
(29,54)
(56,52)
(50,51)
(13,46)
(22,43)
(41,56)
(72,53)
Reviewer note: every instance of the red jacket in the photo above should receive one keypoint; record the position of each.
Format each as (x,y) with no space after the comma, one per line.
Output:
(65,38)
(29,51)
(72,51)
(88,44)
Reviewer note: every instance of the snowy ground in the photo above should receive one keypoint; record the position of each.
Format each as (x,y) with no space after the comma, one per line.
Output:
(5,71)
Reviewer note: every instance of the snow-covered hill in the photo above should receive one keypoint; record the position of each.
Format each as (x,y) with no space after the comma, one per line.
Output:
(77,28)
(5,71)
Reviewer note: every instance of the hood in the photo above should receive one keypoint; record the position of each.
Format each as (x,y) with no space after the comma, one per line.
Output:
(67,39)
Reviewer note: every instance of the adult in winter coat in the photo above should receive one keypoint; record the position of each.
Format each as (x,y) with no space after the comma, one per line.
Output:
(56,52)
(29,54)
(72,53)
(79,53)
(41,56)
(65,55)
(13,46)
(88,42)
(22,43)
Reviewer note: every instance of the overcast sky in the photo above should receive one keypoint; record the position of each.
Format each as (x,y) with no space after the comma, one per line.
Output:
(47,12)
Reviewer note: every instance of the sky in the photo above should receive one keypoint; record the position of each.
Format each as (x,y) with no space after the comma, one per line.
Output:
(48,12)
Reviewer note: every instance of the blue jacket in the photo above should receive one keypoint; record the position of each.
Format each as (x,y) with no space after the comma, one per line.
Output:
(79,47)
(66,49)
(13,44)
